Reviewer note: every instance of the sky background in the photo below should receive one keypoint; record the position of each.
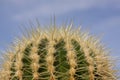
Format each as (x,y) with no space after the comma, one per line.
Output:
(101,17)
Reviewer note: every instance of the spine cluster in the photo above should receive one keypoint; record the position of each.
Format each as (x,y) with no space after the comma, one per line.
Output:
(57,54)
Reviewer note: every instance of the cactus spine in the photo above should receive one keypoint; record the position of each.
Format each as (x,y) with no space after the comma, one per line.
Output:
(57,54)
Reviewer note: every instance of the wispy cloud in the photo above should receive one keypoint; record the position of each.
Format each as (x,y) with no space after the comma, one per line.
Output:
(60,7)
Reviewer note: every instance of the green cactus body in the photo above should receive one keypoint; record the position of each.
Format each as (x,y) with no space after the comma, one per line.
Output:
(57,54)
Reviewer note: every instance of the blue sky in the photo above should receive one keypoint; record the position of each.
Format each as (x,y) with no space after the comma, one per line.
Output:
(101,17)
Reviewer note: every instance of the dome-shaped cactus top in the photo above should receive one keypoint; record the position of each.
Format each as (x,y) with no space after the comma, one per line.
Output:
(57,53)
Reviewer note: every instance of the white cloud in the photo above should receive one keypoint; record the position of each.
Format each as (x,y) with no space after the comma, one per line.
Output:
(44,9)
(57,8)
(19,2)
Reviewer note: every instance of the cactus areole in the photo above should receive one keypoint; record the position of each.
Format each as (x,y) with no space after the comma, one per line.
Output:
(57,53)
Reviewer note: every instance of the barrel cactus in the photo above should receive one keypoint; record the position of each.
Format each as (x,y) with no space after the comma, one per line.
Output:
(57,53)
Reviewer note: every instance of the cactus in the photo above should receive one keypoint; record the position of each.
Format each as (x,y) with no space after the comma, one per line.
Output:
(57,53)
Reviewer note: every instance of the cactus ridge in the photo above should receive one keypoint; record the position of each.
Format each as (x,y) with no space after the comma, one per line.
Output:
(57,54)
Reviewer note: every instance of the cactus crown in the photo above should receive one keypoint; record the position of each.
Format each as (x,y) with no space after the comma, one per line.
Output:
(57,53)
